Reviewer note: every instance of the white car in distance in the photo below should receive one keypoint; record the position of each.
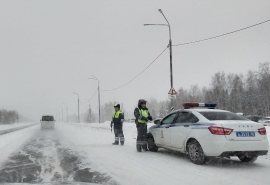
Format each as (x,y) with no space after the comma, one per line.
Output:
(265,121)
(47,122)
(208,132)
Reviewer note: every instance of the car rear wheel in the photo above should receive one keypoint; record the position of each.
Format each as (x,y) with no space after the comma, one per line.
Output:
(151,144)
(245,158)
(195,152)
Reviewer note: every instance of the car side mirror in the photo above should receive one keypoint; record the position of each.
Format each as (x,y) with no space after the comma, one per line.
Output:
(157,122)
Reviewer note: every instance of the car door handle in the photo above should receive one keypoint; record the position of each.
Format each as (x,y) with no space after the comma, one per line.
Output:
(167,126)
(186,125)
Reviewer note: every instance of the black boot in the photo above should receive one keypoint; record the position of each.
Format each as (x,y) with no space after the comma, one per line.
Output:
(122,140)
(139,148)
(116,141)
(144,147)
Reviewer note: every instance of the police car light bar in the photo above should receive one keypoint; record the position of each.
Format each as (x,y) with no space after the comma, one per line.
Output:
(191,105)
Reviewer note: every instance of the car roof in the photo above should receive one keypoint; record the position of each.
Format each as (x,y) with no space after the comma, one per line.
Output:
(209,110)
(200,110)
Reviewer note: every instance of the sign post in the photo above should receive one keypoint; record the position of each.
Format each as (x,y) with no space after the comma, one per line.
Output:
(172,95)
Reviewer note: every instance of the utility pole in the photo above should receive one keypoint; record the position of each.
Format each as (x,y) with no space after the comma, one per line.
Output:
(89,110)
(95,78)
(78,107)
(66,111)
(170,47)
(62,112)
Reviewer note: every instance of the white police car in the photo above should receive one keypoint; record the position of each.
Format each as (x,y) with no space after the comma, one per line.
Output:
(205,132)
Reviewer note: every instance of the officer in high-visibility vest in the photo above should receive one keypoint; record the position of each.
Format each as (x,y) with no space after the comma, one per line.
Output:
(117,123)
(142,116)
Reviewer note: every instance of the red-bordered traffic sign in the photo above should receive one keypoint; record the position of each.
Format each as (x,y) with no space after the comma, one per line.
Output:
(172,91)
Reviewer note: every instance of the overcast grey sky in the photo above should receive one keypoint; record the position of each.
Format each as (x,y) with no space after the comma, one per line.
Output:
(49,49)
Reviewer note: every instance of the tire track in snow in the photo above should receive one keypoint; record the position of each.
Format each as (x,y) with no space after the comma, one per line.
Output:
(44,159)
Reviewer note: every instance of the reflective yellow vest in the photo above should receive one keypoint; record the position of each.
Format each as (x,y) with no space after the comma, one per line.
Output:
(143,113)
(116,114)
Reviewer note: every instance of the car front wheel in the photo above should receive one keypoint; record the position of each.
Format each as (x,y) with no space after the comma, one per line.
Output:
(195,152)
(151,144)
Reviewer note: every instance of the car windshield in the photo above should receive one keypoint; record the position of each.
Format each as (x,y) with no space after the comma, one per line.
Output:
(221,116)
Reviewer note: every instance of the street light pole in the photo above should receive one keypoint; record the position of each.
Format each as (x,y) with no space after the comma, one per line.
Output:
(78,107)
(95,78)
(89,113)
(170,47)
(62,112)
(66,111)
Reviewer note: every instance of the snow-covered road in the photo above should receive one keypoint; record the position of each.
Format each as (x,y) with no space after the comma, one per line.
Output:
(77,151)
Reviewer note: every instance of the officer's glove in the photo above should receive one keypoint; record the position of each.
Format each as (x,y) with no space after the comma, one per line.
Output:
(111,124)
(150,118)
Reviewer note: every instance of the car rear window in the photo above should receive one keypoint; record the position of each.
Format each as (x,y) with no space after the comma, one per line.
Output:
(47,118)
(266,118)
(222,116)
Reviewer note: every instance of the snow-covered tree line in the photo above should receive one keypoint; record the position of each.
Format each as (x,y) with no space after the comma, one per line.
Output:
(248,93)
(8,117)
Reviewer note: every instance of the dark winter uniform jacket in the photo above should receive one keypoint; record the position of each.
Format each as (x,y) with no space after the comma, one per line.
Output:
(118,118)
(138,115)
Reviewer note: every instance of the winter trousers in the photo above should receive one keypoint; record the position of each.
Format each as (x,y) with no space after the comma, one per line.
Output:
(119,135)
(142,135)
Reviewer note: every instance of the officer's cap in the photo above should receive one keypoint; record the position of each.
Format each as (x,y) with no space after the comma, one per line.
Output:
(117,105)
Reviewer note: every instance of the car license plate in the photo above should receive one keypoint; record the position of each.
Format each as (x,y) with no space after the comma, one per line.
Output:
(245,134)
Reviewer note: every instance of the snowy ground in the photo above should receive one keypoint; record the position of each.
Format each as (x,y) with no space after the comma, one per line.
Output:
(83,152)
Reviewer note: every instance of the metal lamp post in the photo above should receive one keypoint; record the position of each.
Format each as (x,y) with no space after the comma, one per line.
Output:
(170,46)
(62,112)
(66,111)
(95,78)
(78,107)
(89,114)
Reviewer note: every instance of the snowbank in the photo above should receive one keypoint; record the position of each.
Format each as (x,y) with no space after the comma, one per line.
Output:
(15,125)
(12,141)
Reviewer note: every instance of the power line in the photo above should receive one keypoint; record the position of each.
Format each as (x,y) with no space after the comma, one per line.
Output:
(182,45)
(138,74)
(87,101)
(222,34)
(93,95)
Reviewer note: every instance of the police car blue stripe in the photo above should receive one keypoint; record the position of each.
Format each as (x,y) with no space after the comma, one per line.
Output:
(191,124)
(183,124)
